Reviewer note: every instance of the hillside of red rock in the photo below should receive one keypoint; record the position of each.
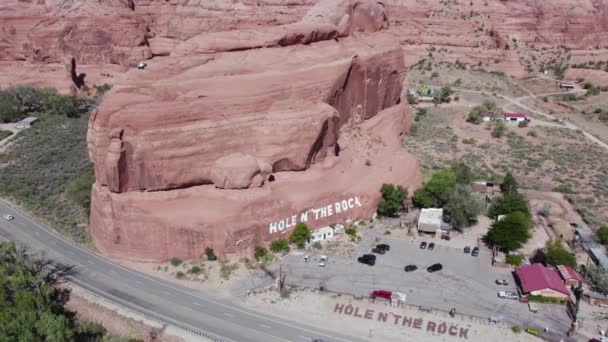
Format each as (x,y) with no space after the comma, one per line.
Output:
(254,115)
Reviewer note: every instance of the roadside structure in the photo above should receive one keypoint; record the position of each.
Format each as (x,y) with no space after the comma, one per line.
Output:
(27,122)
(599,257)
(430,221)
(566,85)
(595,298)
(569,275)
(538,280)
(515,117)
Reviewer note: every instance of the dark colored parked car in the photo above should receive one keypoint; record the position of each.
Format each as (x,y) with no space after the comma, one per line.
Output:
(467,249)
(368,259)
(475,251)
(410,268)
(431,246)
(384,246)
(382,294)
(434,268)
(378,250)
(423,245)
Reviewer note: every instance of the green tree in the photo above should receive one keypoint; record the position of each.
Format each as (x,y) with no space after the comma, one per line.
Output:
(210,254)
(508,203)
(392,201)
(9,107)
(32,304)
(463,173)
(599,279)
(511,232)
(260,253)
(556,254)
(461,207)
(446,92)
(300,235)
(411,99)
(509,184)
(279,246)
(474,115)
(433,193)
(602,234)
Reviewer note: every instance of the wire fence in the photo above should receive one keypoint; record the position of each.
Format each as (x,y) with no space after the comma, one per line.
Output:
(147,313)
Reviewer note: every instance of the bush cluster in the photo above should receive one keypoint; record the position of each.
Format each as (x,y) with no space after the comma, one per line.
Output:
(21,101)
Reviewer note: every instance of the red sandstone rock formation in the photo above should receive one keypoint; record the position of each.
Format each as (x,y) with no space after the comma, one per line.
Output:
(183,149)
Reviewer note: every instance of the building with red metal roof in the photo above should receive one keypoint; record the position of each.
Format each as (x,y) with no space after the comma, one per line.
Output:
(569,275)
(539,280)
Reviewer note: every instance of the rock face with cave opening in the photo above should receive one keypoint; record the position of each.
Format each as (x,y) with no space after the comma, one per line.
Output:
(183,149)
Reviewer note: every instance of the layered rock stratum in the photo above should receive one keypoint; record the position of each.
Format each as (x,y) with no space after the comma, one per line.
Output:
(305,93)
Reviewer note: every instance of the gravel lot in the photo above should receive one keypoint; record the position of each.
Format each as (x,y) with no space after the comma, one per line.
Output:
(465,283)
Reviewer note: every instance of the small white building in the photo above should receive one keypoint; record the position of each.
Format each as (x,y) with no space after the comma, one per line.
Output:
(430,221)
(26,123)
(321,234)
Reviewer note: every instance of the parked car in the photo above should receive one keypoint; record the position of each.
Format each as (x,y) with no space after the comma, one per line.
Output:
(378,250)
(467,249)
(8,217)
(431,246)
(368,259)
(434,268)
(410,268)
(533,307)
(322,261)
(475,251)
(508,295)
(501,282)
(384,246)
(382,294)
(423,245)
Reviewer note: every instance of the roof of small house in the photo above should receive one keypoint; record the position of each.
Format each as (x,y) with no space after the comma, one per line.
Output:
(537,277)
(431,217)
(600,256)
(514,115)
(567,272)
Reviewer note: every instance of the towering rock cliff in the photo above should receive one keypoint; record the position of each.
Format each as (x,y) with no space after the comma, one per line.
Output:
(236,136)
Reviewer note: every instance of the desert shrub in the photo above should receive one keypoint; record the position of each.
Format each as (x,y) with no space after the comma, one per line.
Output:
(176,261)
(602,235)
(194,270)
(545,99)
(469,141)
(393,198)
(516,329)
(564,188)
(351,231)
(549,300)
(80,188)
(300,235)
(514,259)
(522,124)
(317,245)
(180,275)
(434,74)
(210,254)
(411,99)
(279,246)
(498,129)
(226,269)
(532,133)
(260,253)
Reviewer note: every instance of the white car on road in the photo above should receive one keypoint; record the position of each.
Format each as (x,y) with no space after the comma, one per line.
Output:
(8,217)
(323,261)
(508,295)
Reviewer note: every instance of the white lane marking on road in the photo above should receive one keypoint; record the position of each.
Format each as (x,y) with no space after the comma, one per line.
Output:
(305,338)
(90,261)
(138,282)
(233,308)
(165,292)
(228,314)
(264,326)
(195,303)
(37,233)
(112,271)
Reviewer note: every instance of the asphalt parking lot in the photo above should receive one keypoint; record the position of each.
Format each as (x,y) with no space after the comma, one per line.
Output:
(466,283)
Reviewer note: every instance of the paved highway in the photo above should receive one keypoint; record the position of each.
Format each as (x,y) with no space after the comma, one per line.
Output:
(220,318)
